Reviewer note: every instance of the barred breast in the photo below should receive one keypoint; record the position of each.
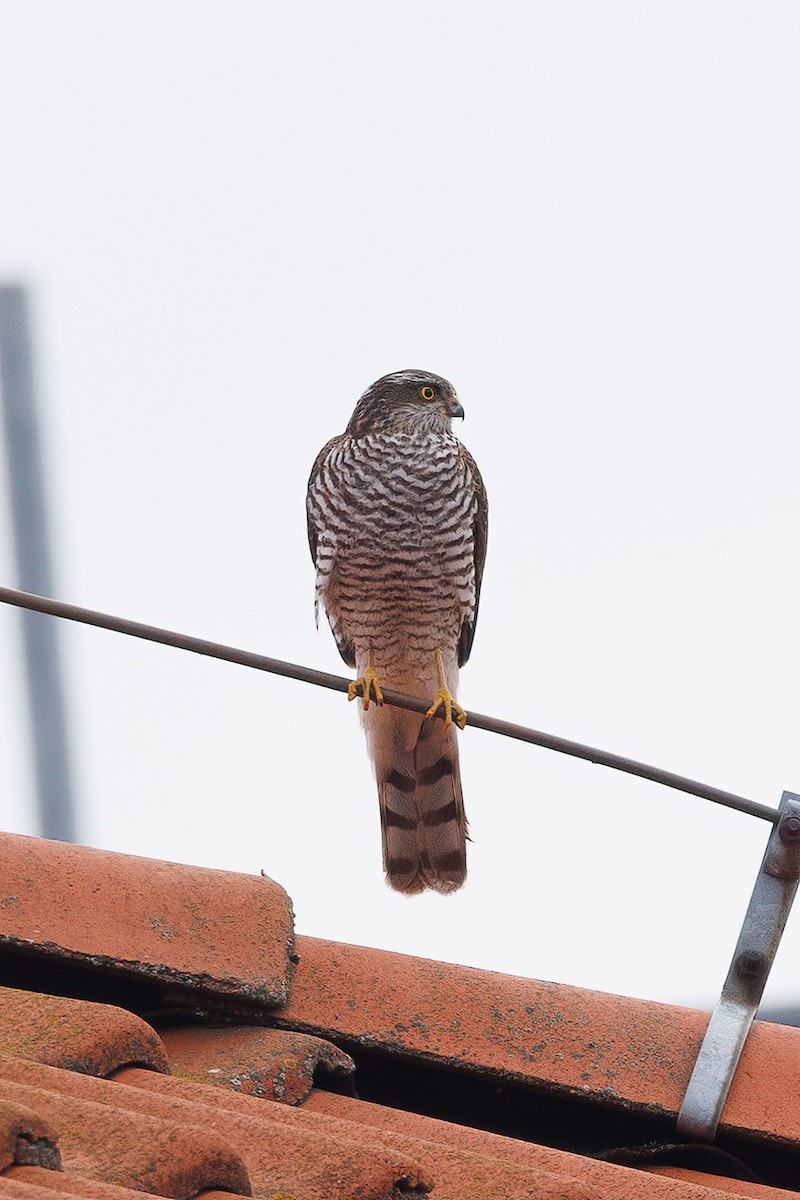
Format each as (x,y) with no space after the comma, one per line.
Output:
(395,559)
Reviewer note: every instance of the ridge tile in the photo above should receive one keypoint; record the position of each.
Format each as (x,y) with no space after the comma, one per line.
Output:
(635,1055)
(194,928)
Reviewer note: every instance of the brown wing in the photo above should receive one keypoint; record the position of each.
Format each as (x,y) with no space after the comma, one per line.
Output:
(313,534)
(344,646)
(480,533)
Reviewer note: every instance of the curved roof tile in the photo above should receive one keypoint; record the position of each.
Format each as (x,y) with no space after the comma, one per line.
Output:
(274,1063)
(632,1054)
(77,1102)
(193,927)
(94,1039)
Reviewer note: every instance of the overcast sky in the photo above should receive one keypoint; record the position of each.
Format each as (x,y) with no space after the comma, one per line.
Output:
(233,218)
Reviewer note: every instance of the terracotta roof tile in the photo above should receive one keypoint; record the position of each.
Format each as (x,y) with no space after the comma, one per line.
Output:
(733,1187)
(452,1150)
(286,1149)
(71,1184)
(273,1063)
(158,1132)
(633,1054)
(534,1060)
(118,1145)
(15,1189)
(25,1136)
(77,1034)
(33,1183)
(192,927)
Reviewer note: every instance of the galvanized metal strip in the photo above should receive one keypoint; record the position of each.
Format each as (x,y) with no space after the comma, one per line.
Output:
(774,891)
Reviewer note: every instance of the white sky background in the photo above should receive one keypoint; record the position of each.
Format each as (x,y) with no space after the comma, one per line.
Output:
(236,216)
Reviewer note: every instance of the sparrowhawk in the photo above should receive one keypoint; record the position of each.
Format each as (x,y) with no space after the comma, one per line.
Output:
(397,525)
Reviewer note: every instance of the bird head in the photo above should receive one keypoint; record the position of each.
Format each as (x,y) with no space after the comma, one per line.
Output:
(407,401)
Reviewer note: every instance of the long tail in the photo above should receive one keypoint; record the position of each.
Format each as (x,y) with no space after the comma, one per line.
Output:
(423,822)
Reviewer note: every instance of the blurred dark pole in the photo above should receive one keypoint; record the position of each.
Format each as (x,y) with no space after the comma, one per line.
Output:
(34,566)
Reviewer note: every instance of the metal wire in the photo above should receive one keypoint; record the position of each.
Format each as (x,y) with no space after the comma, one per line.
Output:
(337,683)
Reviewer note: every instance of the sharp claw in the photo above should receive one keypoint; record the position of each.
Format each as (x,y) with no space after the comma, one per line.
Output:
(453,712)
(444,699)
(369,687)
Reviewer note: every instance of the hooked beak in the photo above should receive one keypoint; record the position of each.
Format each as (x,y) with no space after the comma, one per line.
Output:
(457,411)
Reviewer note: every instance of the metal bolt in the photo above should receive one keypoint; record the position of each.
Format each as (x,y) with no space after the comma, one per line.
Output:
(789,829)
(750,964)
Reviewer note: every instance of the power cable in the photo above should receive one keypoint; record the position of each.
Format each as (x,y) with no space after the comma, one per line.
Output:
(337,683)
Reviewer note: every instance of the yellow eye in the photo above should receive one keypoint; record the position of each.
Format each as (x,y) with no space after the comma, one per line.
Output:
(427,393)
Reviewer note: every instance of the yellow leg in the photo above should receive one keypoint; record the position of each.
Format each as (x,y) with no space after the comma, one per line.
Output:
(444,699)
(368,682)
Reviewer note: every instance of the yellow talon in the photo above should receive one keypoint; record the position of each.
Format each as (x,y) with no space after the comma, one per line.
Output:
(368,683)
(444,699)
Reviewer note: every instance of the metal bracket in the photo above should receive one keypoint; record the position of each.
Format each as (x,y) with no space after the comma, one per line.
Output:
(730,1022)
